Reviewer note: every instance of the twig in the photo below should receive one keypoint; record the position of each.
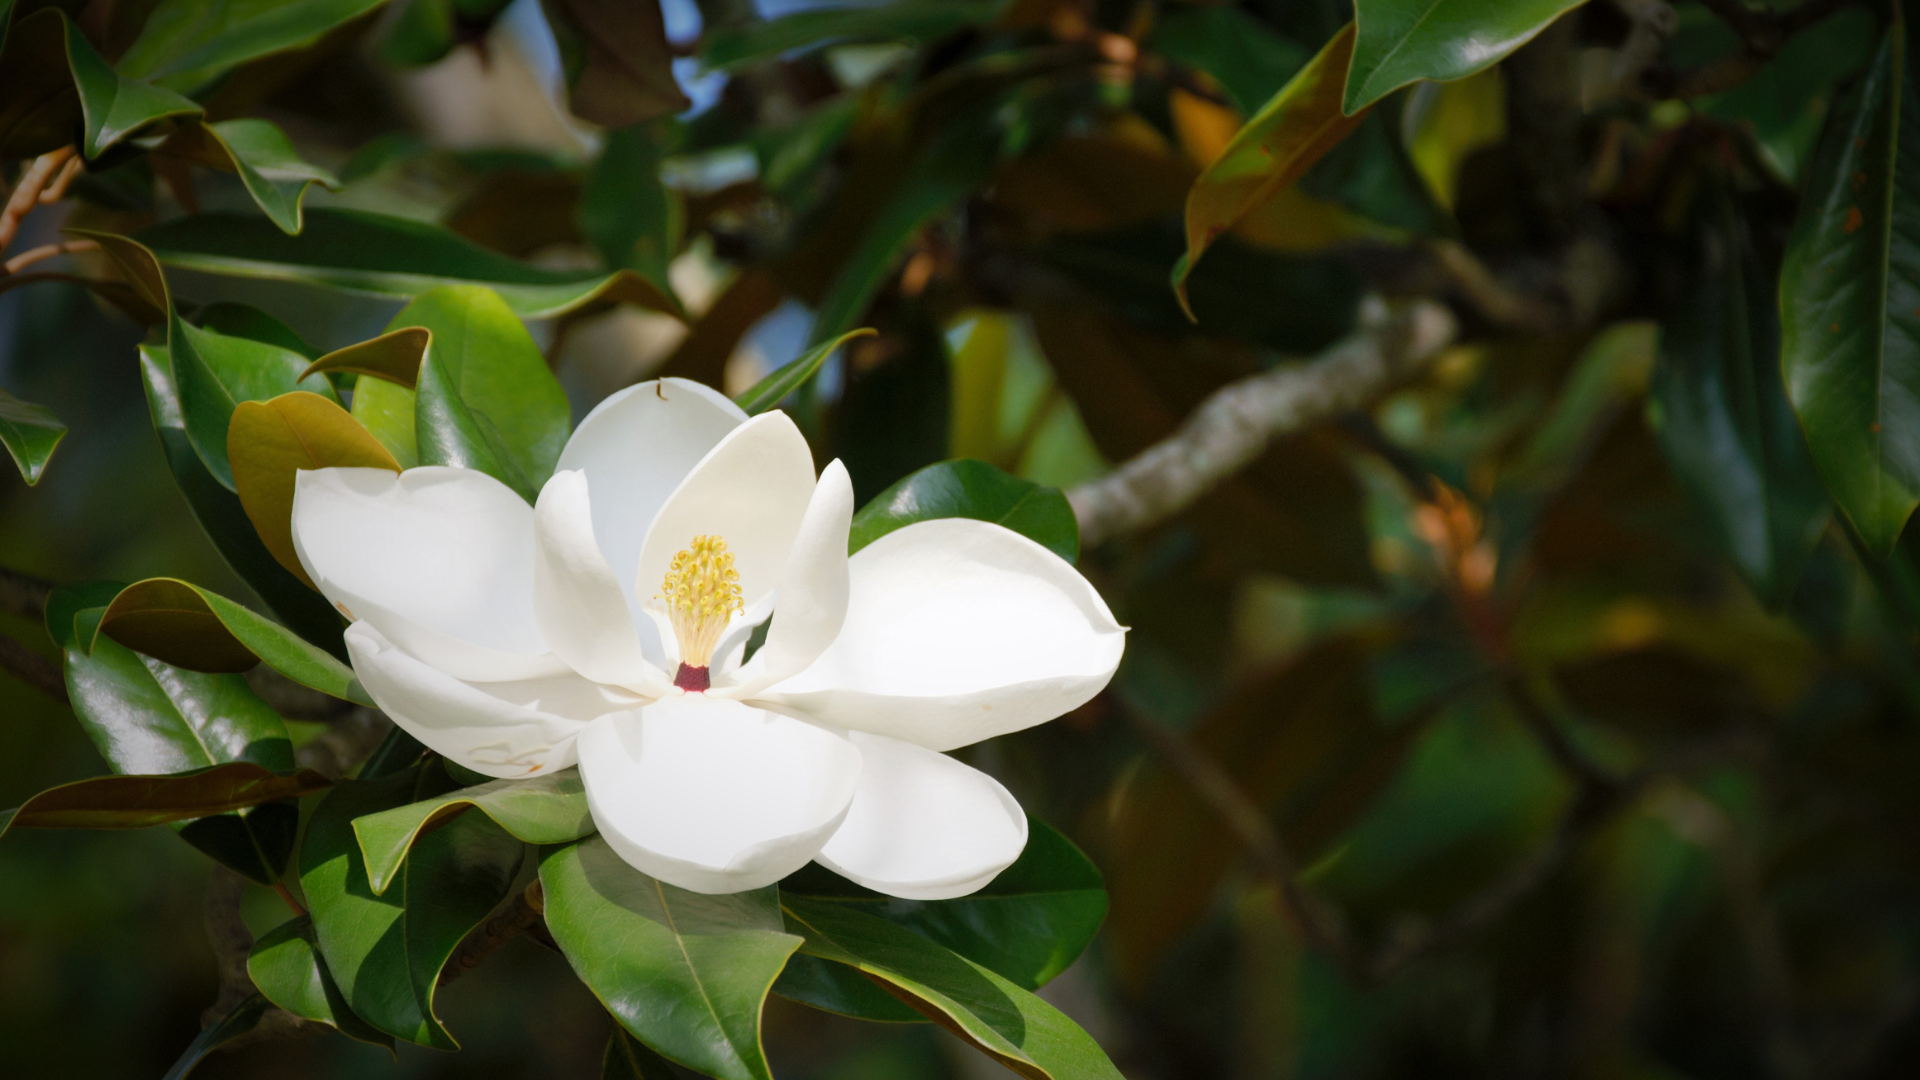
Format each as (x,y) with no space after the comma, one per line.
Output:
(58,189)
(26,194)
(1233,427)
(524,914)
(47,251)
(33,669)
(24,594)
(1319,921)
(1501,305)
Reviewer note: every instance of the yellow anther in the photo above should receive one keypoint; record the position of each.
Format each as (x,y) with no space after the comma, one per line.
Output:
(701,590)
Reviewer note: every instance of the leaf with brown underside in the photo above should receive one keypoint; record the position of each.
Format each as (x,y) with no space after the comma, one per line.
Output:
(270,441)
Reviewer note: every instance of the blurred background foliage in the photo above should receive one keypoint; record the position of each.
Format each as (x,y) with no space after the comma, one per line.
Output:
(1537,719)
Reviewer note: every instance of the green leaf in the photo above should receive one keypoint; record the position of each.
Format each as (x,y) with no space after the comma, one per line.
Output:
(627,1058)
(1721,412)
(225,521)
(215,372)
(1017,1029)
(486,398)
(1027,924)
(1404,41)
(730,47)
(549,809)
(268,166)
(186,43)
(618,62)
(773,389)
(190,627)
(837,988)
(1849,310)
(427,30)
(69,600)
(1282,141)
(245,320)
(385,256)
(971,489)
(626,212)
(1247,58)
(135,802)
(285,964)
(31,433)
(150,718)
(686,973)
(386,951)
(52,81)
(394,356)
(239,1020)
(386,410)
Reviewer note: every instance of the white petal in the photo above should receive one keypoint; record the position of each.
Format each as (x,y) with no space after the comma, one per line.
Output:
(577,598)
(440,560)
(503,729)
(924,826)
(715,796)
(752,491)
(636,447)
(958,630)
(812,600)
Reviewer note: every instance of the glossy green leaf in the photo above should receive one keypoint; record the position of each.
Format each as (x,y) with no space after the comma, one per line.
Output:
(627,1058)
(837,988)
(150,718)
(215,372)
(239,1020)
(773,389)
(385,256)
(1849,303)
(730,47)
(1404,41)
(188,626)
(245,320)
(1273,149)
(1722,415)
(263,157)
(486,398)
(285,964)
(1017,1029)
(386,410)
(186,43)
(31,433)
(549,809)
(626,212)
(386,951)
(686,973)
(52,82)
(225,521)
(618,62)
(394,356)
(135,802)
(69,600)
(971,489)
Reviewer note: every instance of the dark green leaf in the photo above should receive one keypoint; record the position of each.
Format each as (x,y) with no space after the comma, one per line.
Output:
(386,951)
(286,966)
(837,988)
(627,1058)
(626,212)
(971,489)
(549,809)
(1404,41)
(1370,173)
(486,398)
(186,43)
(773,389)
(385,256)
(904,20)
(31,433)
(237,1022)
(71,599)
(1721,410)
(1017,1029)
(247,321)
(135,802)
(427,30)
(1850,327)
(52,82)
(267,164)
(1248,59)
(686,973)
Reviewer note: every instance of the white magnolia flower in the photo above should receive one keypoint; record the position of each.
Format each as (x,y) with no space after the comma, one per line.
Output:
(606,625)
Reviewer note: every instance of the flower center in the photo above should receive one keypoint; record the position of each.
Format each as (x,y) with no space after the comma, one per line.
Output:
(701,590)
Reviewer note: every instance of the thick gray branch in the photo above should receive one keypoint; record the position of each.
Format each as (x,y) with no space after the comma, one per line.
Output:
(1233,427)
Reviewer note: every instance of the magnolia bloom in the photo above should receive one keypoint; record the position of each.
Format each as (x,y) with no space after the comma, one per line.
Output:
(608,625)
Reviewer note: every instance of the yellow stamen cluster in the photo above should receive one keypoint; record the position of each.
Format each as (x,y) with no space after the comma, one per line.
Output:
(701,589)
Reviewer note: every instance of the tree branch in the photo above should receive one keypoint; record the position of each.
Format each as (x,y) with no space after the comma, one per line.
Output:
(524,914)
(1233,427)
(26,194)
(24,594)
(33,669)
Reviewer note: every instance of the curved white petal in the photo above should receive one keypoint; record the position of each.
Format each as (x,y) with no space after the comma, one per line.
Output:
(958,630)
(924,826)
(503,729)
(715,796)
(811,603)
(752,490)
(636,447)
(440,560)
(577,598)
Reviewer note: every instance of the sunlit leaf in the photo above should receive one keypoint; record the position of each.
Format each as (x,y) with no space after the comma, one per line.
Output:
(270,441)
(550,809)
(269,167)
(394,356)
(1404,41)
(286,965)
(773,389)
(971,489)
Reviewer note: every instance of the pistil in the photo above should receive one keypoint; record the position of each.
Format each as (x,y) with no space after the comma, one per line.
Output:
(702,592)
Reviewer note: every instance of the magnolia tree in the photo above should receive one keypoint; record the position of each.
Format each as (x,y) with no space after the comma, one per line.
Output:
(1494,423)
